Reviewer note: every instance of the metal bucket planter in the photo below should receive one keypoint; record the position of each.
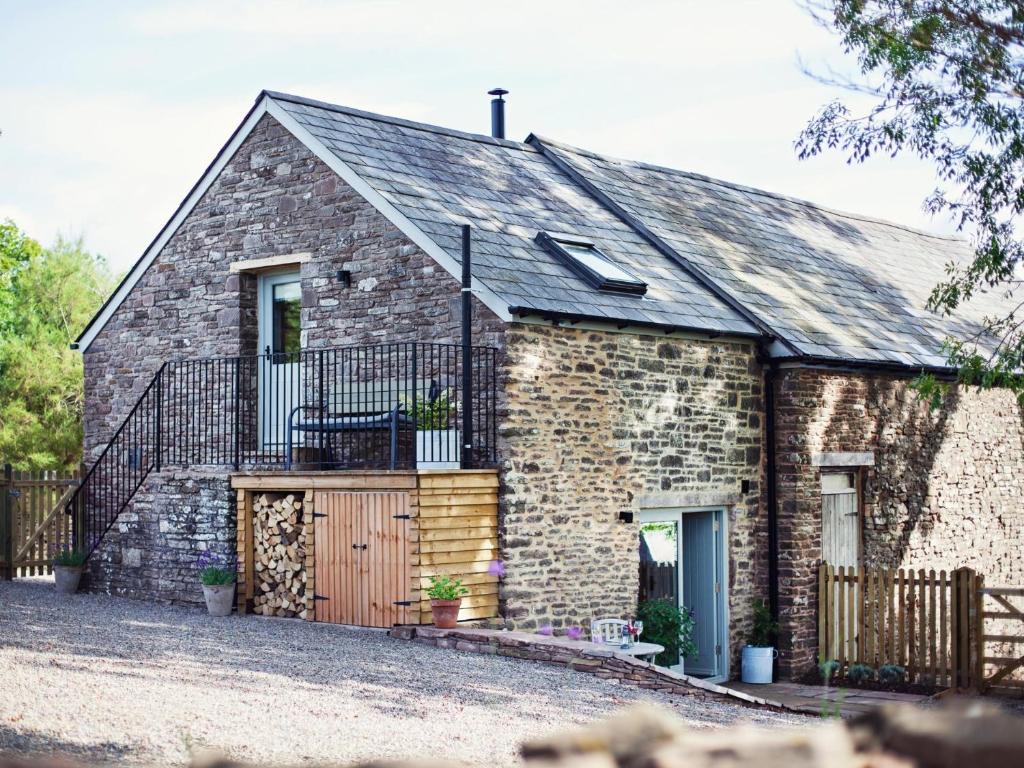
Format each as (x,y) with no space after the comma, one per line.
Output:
(66,578)
(437,449)
(757,664)
(219,599)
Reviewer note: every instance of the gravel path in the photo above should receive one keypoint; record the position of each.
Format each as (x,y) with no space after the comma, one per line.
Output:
(109,679)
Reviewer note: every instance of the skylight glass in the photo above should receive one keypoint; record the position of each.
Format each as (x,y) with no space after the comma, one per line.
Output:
(592,265)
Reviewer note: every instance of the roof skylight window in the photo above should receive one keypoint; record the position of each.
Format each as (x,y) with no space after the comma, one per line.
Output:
(591,264)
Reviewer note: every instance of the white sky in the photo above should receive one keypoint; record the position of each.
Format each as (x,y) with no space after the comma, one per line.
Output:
(110,111)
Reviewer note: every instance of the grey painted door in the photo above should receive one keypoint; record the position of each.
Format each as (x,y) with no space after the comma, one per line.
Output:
(701,589)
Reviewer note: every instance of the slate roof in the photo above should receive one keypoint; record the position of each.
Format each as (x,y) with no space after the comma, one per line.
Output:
(830,285)
(718,257)
(508,191)
(833,285)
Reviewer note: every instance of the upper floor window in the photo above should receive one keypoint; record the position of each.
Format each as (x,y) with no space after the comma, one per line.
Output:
(591,264)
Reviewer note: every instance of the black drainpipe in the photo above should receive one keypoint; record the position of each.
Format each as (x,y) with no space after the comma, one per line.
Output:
(467,351)
(770,372)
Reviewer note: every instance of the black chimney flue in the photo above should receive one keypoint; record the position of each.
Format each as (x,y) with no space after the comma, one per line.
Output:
(497,112)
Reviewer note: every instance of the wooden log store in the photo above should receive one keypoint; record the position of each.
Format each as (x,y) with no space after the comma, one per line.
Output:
(359,547)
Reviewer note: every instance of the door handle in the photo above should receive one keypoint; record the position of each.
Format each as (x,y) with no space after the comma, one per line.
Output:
(358,546)
(266,350)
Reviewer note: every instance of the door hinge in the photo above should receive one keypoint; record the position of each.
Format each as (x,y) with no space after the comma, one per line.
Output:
(715,526)
(718,587)
(319,514)
(718,650)
(358,546)
(319,597)
(402,517)
(402,602)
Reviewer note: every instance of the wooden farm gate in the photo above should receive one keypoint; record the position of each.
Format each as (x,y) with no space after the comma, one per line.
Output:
(362,562)
(1001,629)
(33,523)
(920,620)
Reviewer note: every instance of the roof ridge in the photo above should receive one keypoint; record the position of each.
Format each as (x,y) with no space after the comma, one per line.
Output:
(481,138)
(744,188)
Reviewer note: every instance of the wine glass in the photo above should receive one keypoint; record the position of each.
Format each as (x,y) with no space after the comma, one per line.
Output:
(639,627)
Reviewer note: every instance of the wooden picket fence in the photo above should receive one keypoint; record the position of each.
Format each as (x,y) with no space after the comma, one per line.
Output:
(924,621)
(33,523)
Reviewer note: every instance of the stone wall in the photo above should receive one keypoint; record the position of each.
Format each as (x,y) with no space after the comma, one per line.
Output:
(273,198)
(607,662)
(946,489)
(152,549)
(600,423)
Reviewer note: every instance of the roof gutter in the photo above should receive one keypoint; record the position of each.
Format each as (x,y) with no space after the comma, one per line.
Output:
(859,366)
(664,248)
(557,316)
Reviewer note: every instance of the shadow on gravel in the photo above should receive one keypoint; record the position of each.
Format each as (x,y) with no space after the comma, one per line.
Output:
(20,740)
(391,676)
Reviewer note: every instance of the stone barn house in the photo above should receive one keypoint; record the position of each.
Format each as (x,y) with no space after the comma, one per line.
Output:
(663,366)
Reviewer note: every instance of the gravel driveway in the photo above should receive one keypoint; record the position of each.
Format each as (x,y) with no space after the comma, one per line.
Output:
(105,679)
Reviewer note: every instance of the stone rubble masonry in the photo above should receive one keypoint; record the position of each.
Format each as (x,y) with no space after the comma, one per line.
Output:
(273,198)
(581,656)
(601,423)
(152,549)
(945,492)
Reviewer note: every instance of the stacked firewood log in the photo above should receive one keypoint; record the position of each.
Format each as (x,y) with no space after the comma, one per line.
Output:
(280,533)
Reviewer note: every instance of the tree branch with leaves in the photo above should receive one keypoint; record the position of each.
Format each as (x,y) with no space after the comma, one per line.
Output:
(947,83)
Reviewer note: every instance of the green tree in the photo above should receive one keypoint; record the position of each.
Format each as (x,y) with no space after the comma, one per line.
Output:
(47,295)
(946,81)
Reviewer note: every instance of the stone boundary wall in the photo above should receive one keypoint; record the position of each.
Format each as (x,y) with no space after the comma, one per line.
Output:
(580,656)
(944,489)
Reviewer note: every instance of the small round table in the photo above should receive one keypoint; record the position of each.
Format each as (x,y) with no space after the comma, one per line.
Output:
(644,651)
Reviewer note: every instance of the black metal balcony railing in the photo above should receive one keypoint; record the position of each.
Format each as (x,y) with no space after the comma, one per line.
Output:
(390,406)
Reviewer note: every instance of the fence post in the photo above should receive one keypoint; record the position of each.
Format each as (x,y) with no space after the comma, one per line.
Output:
(978,629)
(7,524)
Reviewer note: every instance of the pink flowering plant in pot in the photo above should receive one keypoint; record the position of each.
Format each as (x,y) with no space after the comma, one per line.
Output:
(445,595)
(218,579)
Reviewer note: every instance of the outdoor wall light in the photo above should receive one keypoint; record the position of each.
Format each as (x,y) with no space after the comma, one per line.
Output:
(625,517)
(345,278)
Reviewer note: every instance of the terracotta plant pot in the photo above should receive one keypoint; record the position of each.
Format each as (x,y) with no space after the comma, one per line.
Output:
(66,578)
(219,599)
(446,612)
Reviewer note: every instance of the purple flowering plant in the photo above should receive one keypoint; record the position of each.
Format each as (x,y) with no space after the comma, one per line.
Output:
(496,568)
(547,630)
(574,633)
(214,570)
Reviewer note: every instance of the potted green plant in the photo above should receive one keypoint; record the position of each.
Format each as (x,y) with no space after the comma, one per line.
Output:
(218,582)
(759,654)
(445,595)
(68,565)
(668,625)
(437,444)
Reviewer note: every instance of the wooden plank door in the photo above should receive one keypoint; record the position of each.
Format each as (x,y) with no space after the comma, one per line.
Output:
(840,519)
(363,569)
